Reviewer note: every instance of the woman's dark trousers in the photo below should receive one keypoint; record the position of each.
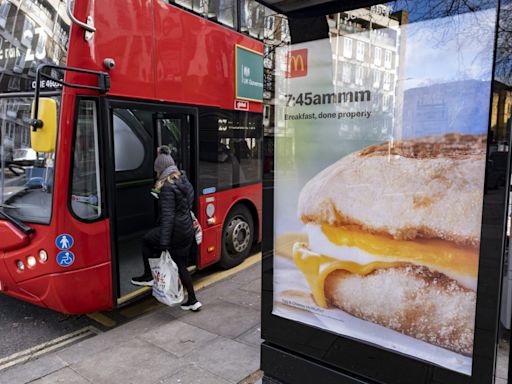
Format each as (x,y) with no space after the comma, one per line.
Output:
(151,249)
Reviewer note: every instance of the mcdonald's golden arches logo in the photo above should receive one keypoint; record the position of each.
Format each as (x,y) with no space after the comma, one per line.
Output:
(297,63)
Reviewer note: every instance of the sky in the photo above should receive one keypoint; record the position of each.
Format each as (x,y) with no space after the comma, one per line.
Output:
(448,49)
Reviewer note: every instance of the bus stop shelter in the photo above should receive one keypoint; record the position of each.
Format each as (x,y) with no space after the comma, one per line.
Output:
(389,129)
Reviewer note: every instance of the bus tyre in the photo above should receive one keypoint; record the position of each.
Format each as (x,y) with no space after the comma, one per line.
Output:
(237,237)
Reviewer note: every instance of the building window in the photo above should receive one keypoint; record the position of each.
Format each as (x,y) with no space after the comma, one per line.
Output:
(360,51)
(269,27)
(387,81)
(378,56)
(359,75)
(266,115)
(19,65)
(347,47)
(56,56)
(28,33)
(387,58)
(385,103)
(377,76)
(347,73)
(85,187)
(4,12)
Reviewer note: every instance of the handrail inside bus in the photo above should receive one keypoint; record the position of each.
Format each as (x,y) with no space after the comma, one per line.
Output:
(87,27)
(103,86)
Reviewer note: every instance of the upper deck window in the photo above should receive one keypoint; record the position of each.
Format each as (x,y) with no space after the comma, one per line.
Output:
(247,16)
(224,11)
(252,16)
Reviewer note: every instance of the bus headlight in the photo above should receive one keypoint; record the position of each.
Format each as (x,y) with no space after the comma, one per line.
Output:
(43,256)
(20,265)
(31,261)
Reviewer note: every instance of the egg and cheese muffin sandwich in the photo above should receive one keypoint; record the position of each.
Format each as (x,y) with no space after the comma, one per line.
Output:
(394,233)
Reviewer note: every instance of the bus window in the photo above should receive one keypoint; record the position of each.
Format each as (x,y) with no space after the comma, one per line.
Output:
(169,132)
(252,15)
(224,11)
(199,6)
(230,148)
(184,3)
(128,149)
(133,144)
(85,188)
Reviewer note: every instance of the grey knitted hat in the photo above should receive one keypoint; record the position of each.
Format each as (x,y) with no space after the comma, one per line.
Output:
(163,160)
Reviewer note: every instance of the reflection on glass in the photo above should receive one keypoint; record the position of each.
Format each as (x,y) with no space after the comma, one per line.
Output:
(252,16)
(85,188)
(4,12)
(367,124)
(223,11)
(200,6)
(169,133)
(128,148)
(501,124)
(26,177)
(184,3)
(25,28)
(229,149)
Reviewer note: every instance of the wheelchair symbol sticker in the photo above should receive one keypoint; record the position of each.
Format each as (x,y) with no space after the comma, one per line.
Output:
(65,258)
(64,241)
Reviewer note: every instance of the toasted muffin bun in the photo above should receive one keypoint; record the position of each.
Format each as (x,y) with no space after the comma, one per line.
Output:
(410,299)
(430,187)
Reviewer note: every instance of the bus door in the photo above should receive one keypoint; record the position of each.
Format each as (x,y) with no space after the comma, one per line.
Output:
(136,132)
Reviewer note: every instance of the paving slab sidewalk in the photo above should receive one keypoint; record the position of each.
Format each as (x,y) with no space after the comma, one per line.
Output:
(218,345)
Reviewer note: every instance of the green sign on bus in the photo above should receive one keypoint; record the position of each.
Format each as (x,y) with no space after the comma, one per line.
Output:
(249,74)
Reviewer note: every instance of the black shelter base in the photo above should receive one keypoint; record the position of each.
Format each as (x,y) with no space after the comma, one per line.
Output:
(284,367)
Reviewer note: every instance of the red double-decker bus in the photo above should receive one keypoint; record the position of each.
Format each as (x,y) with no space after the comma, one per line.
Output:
(115,80)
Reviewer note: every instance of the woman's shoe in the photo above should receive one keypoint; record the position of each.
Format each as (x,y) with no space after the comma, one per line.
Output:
(195,306)
(144,280)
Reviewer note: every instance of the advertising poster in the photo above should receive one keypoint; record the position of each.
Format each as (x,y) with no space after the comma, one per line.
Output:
(380,147)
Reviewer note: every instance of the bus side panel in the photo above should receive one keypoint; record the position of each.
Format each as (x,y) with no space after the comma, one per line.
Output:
(9,287)
(49,284)
(91,240)
(195,58)
(223,202)
(125,36)
(74,292)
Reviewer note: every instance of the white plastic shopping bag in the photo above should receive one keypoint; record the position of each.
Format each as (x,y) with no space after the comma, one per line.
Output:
(167,287)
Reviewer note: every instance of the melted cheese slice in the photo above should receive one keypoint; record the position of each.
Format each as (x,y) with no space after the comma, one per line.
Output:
(439,255)
(459,263)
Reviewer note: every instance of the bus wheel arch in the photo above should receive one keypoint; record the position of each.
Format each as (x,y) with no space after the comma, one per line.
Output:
(239,232)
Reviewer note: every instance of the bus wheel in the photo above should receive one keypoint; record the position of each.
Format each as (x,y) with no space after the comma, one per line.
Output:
(237,237)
